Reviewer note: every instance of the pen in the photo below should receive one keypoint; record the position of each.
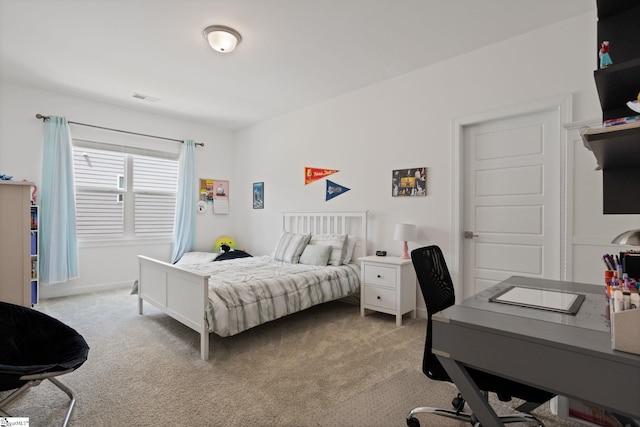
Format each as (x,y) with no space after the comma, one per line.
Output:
(608,260)
(611,261)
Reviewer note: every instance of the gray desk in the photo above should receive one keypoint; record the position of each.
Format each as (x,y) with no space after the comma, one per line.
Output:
(569,355)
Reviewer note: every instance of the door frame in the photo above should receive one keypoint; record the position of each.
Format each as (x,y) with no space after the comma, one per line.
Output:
(563,105)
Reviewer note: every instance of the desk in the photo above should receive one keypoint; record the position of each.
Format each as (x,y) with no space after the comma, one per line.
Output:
(569,355)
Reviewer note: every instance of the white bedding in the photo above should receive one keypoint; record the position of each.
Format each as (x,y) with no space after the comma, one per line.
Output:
(247,292)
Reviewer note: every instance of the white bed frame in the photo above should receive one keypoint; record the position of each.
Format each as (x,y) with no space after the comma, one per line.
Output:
(183,295)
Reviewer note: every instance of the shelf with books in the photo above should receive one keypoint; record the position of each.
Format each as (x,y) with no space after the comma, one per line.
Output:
(35,251)
(615,146)
(617,84)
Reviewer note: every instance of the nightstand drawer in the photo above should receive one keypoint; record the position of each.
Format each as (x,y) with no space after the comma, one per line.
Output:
(378,275)
(380,297)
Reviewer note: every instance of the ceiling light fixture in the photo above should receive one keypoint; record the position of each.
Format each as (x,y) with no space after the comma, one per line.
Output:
(222,39)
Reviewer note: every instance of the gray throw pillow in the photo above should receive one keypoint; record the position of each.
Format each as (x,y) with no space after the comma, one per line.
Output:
(315,255)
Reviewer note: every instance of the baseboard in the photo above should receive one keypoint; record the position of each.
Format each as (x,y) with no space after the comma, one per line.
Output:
(421,313)
(53,291)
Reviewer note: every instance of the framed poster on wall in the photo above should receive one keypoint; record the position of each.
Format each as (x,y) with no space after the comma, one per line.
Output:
(258,195)
(206,190)
(409,182)
(220,196)
(215,191)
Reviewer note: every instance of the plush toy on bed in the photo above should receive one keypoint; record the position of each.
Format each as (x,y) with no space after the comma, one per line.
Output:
(224,240)
(227,248)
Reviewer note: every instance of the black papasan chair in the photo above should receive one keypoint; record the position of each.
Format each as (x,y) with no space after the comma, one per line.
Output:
(35,347)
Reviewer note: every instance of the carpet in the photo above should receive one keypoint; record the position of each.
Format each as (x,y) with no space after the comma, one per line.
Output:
(387,404)
(324,367)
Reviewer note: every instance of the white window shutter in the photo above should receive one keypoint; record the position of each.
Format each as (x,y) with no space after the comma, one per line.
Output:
(103,181)
(99,213)
(155,183)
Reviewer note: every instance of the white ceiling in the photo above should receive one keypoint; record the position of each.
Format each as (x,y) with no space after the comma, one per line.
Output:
(294,52)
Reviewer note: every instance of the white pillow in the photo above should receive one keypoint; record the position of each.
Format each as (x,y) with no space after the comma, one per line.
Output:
(290,247)
(315,255)
(349,248)
(337,243)
(191,258)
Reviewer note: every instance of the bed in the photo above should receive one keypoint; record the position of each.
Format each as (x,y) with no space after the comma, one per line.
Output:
(231,296)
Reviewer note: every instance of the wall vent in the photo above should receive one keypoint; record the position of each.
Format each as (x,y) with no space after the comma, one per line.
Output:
(145,97)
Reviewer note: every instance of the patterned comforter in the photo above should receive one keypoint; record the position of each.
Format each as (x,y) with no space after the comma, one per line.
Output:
(247,292)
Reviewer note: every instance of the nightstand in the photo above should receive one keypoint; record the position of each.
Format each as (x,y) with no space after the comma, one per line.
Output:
(388,286)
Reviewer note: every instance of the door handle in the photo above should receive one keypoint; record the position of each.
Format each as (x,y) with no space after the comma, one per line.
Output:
(469,235)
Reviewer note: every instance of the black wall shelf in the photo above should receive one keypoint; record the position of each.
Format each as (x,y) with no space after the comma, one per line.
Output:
(617,148)
(617,84)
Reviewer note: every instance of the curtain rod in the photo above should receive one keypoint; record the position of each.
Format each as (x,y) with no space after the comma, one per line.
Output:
(45,118)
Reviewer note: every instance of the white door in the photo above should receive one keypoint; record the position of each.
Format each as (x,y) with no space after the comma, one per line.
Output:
(511,199)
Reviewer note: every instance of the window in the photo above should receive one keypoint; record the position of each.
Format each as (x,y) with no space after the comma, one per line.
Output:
(123,194)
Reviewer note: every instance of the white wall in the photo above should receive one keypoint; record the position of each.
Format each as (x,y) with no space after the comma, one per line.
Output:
(400,123)
(406,122)
(108,264)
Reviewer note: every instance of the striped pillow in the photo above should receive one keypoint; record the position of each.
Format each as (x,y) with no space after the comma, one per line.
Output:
(337,243)
(349,247)
(290,247)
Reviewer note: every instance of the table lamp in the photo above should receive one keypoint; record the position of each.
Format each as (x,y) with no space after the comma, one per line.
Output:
(405,232)
(631,237)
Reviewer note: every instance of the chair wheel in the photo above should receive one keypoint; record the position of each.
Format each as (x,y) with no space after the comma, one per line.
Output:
(413,422)
(474,421)
(458,402)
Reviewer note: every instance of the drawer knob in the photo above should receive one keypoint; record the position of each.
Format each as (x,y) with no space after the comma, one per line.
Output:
(379,276)
(378,297)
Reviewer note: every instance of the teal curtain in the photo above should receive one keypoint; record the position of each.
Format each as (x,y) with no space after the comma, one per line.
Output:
(58,240)
(185,218)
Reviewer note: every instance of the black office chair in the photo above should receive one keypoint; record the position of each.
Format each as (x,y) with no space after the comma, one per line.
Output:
(35,347)
(438,292)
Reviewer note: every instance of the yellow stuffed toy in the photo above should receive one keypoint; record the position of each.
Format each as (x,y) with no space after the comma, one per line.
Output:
(224,240)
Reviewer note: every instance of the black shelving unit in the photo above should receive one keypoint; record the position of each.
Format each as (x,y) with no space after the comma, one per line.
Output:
(607,8)
(617,152)
(617,149)
(617,84)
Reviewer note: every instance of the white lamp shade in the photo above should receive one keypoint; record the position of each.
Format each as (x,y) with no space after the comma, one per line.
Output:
(222,39)
(405,232)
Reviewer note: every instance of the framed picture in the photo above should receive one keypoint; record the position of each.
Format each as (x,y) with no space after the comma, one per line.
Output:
(214,191)
(220,196)
(258,195)
(206,190)
(409,182)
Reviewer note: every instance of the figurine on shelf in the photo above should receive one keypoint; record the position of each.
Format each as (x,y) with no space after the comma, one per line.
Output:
(605,58)
(34,190)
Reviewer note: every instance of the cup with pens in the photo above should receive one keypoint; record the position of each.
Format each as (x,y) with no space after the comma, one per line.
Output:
(622,292)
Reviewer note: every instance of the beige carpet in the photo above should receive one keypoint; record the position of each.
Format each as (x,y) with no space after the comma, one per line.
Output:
(387,404)
(326,366)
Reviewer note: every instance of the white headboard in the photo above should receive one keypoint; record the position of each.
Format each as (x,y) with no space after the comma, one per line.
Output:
(354,223)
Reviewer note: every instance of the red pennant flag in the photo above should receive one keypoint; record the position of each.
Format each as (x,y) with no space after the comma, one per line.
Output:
(314,174)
